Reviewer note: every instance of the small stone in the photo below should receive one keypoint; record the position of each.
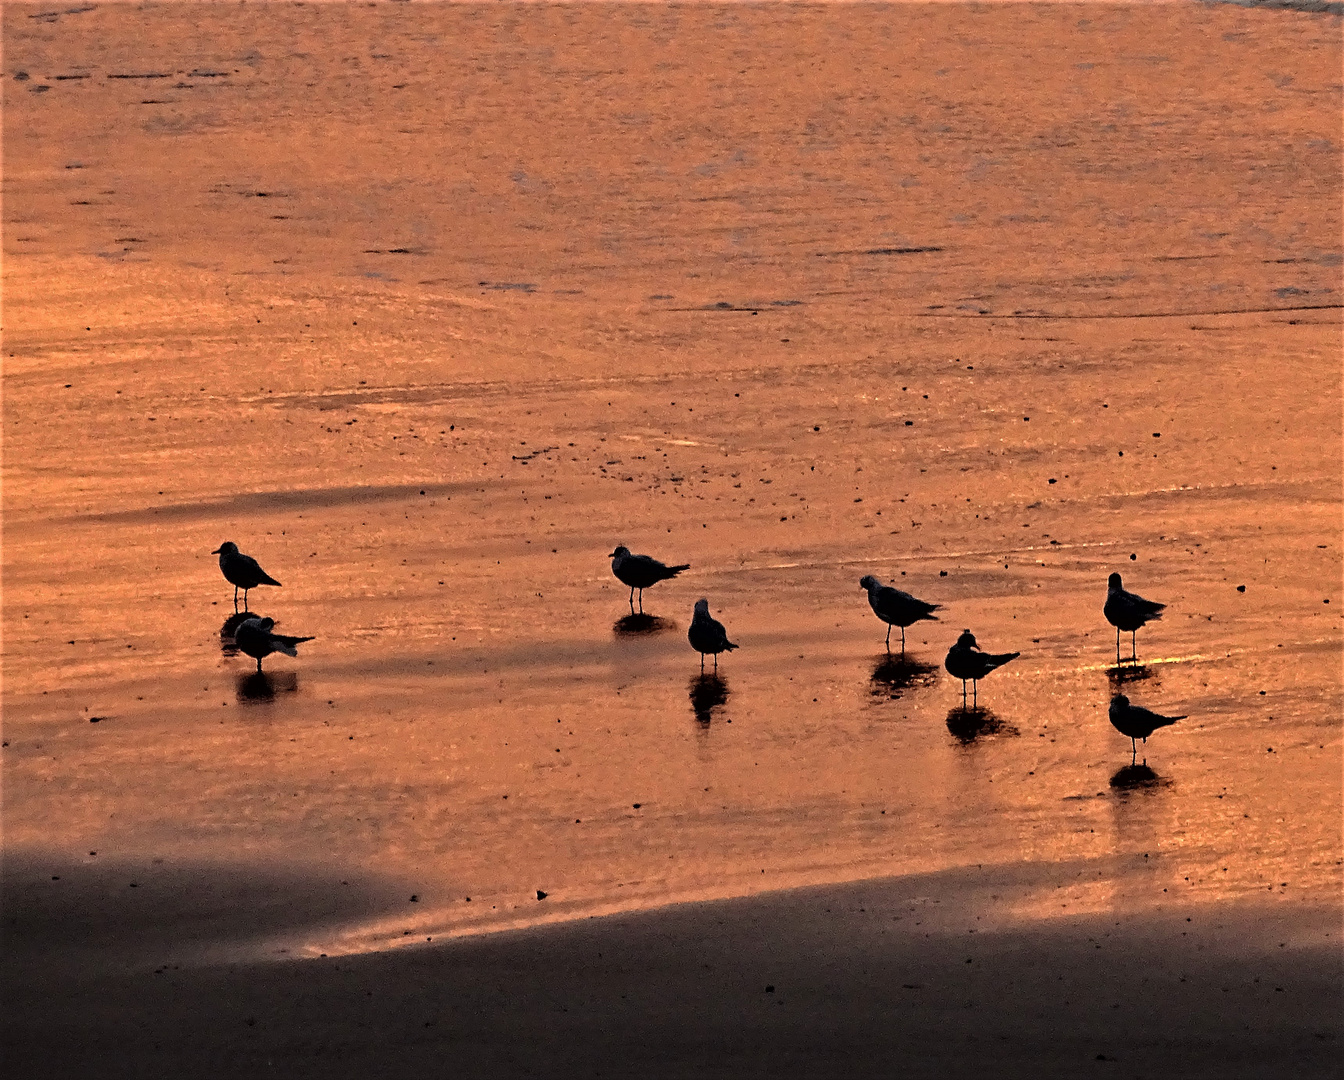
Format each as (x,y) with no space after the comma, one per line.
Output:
(541,895)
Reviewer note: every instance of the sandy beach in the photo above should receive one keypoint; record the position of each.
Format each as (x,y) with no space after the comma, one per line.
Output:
(430,306)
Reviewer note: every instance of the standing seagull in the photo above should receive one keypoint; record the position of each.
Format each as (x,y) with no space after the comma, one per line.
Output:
(1136,722)
(707,634)
(896,608)
(641,571)
(254,637)
(241,571)
(965,661)
(1128,611)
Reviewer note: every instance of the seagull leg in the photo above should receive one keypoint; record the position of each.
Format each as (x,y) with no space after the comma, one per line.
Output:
(902,640)
(258,665)
(716,661)
(632,599)
(1117,645)
(1134,645)
(641,601)
(245,592)
(702,663)
(1134,750)
(888,637)
(975,692)
(235,598)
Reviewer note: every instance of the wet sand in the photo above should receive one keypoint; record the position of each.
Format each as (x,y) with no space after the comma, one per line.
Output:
(429,307)
(921,976)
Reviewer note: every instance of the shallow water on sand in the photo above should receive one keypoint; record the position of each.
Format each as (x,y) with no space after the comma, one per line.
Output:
(429,307)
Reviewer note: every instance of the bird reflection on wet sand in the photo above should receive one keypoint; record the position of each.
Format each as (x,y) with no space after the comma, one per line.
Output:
(707,692)
(1120,675)
(968,724)
(640,624)
(260,686)
(1136,778)
(895,674)
(227,644)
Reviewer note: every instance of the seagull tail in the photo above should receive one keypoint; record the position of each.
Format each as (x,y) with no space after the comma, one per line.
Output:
(673,571)
(266,579)
(286,644)
(729,645)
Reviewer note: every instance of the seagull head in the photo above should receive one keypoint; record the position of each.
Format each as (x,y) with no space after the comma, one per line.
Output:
(226,548)
(1113,582)
(869,582)
(622,550)
(702,606)
(1119,701)
(967,640)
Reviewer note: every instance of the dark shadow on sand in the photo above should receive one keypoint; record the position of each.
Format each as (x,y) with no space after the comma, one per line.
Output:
(258,687)
(640,625)
(1123,674)
(970,722)
(707,692)
(790,984)
(272,501)
(1137,778)
(894,674)
(130,913)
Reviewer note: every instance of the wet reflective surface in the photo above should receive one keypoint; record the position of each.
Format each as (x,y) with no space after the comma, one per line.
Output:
(968,724)
(895,675)
(262,686)
(708,693)
(987,347)
(639,624)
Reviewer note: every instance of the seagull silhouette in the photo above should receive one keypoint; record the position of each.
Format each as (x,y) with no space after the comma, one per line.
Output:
(707,634)
(254,637)
(641,571)
(896,608)
(1128,611)
(966,661)
(241,571)
(1137,722)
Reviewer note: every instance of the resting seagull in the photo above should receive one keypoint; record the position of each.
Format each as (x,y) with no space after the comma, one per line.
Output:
(641,571)
(1128,611)
(707,634)
(254,637)
(966,661)
(1137,722)
(896,608)
(241,571)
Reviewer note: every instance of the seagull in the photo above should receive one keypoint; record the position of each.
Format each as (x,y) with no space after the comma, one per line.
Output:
(896,608)
(641,571)
(1128,611)
(241,571)
(1137,722)
(965,661)
(707,634)
(253,636)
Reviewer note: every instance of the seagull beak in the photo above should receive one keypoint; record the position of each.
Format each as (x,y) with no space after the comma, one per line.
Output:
(216,551)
